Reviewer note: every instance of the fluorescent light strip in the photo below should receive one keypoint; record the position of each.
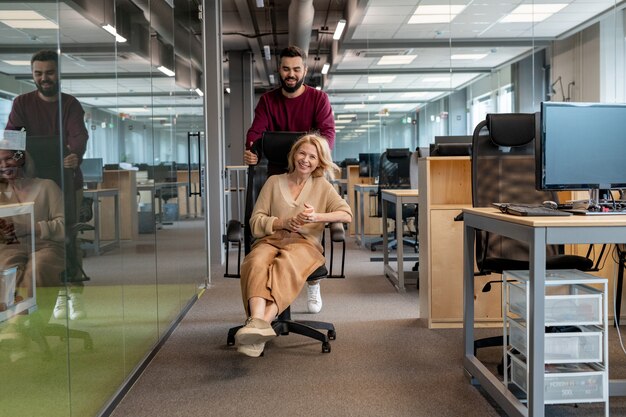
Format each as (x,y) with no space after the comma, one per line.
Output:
(468,56)
(346,116)
(166,71)
(119,38)
(17,62)
(199,92)
(341,25)
(325,68)
(380,79)
(30,24)
(396,59)
(267,53)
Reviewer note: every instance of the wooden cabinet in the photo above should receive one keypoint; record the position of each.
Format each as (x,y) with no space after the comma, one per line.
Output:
(444,190)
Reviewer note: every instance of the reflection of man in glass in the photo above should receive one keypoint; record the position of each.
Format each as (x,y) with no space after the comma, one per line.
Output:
(37,112)
(49,114)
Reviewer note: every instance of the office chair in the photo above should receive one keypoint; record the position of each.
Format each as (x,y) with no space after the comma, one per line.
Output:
(503,170)
(394,173)
(272,150)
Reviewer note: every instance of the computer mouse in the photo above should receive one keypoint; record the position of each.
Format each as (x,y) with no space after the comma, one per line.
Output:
(550,204)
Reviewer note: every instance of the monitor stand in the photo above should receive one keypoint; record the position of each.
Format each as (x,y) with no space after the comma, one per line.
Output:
(599,203)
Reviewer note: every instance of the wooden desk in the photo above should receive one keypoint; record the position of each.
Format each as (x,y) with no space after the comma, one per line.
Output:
(445,186)
(102,227)
(399,197)
(352,180)
(189,206)
(537,232)
(361,195)
(126,184)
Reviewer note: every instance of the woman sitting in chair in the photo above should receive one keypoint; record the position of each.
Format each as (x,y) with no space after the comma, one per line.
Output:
(288,221)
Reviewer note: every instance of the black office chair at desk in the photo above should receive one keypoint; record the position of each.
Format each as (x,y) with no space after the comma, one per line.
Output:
(503,170)
(272,150)
(394,173)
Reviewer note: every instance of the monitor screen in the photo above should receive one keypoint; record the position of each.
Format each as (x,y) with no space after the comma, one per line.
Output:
(369,165)
(581,146)
(92,169)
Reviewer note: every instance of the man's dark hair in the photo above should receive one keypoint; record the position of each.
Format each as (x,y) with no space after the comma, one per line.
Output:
(45,55)
(292,52)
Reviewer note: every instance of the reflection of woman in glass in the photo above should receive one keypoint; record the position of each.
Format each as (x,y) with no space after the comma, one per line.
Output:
(17,186)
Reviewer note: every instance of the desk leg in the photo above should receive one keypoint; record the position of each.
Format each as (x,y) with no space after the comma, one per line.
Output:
(400,245)
(362,218)
(536,321)
(468,290)
(385,236)
(476,369)
(96,222)
(116,201)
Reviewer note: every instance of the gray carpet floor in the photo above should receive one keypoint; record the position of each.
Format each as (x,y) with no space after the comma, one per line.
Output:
(384,362)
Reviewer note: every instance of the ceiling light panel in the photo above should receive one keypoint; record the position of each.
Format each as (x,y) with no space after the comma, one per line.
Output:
(429,14)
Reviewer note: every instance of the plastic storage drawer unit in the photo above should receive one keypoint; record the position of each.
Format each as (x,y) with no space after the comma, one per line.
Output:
(566,347)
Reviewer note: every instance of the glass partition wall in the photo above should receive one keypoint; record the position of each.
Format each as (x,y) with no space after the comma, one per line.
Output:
(147,259)
(409,73)
(146,123)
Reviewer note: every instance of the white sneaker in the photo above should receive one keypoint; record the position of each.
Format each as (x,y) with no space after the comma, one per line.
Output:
(60,307)
(77,307)
(314,298)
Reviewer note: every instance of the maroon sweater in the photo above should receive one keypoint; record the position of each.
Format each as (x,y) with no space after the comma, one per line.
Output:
(308,112)
(41,118)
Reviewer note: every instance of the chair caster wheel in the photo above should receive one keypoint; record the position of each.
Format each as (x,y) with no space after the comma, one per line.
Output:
(332,335)
(325,347)
(229,343)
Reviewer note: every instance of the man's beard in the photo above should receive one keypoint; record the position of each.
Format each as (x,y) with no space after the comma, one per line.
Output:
(289,89)
(50,92)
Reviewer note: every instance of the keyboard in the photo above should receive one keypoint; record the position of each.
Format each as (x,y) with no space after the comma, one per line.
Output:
(529,210)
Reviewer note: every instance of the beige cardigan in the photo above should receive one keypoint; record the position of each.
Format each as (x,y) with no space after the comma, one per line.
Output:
(275,201)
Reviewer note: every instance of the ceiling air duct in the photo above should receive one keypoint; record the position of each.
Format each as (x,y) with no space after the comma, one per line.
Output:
(301,13)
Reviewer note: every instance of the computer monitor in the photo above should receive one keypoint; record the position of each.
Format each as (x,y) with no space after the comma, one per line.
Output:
(580,146)
(92,170)
(369,165)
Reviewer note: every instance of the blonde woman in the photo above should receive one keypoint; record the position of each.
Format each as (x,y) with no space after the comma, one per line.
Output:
(288,221)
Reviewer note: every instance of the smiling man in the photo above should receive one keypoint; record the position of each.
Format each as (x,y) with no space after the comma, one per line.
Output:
(294,107)
(37,112)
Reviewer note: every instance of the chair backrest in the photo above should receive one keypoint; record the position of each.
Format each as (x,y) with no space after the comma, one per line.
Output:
(393,172)
(503,171)
(272,150)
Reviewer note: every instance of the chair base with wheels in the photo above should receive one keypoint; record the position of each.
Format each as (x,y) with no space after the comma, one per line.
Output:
(283,324)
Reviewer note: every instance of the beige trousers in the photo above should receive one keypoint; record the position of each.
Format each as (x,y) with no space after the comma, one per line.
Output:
(277,267)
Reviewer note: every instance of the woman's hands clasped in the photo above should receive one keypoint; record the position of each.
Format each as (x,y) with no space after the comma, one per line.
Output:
(308,215)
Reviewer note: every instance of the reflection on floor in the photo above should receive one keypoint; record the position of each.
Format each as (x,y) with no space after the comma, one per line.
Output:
(134,294)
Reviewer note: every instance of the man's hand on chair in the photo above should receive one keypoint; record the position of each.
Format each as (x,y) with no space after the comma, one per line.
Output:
(250,158)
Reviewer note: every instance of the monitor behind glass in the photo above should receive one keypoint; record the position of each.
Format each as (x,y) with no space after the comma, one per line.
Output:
(581,146)
(92,170)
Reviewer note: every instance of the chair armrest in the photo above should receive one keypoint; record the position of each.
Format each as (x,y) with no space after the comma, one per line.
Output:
(234,231)
(337,232)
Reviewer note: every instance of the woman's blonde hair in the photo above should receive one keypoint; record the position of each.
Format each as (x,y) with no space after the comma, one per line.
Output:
(326,165)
